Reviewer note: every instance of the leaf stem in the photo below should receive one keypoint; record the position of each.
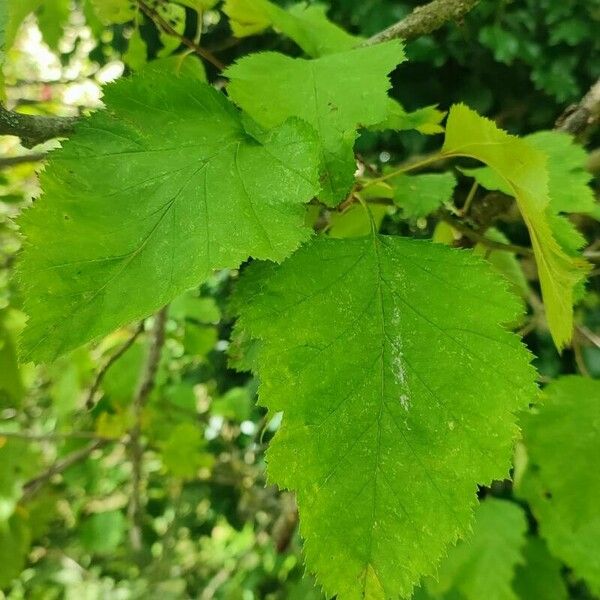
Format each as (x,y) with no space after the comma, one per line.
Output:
(405,169)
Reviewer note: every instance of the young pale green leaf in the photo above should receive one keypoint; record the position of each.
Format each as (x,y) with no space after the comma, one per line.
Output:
(426,120)
(540,575)
(147,198)
(568,179)
(483,565)
(420,195)
(562,440)
(306,24)
(469,134)
(398,386)
(272,87)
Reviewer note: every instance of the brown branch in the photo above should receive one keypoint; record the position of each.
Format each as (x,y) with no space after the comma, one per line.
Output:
(54,437)
(578,119)
(109,363)
(34,485)
(207,55)
(424,20)
(136,449)
(34,129)
(12,161)
(479,238)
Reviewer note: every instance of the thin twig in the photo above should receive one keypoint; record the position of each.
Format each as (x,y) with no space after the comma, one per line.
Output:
(136,450)
(589,335)
(108,364)
(12,161)
(152,14)
(424,20)
(34,485)
(478,237)
(578,354)
(55,437)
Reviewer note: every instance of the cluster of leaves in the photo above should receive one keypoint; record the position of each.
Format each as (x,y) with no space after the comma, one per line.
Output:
(392,384)
(547,50)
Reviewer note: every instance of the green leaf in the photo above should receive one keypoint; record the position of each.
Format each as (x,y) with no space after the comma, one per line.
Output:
(306,24)
(426,120)
(53,16)
(15,540)
(182,453)
(101,533)
(114,12)
(568,179)
(272,87)
(3,26)
(560,438)
(11,381)
(185,65)
(355,221)
(468,134)
(139,204)
(18,462)
(234,404)
(199,5)
(505,262)
(199,341)
(189,306)
(420,195)
(540,576)
(483,565)
(398,387)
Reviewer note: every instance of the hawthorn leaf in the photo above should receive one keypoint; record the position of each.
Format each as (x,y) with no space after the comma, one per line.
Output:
(115,12)
(483,565)
(398,386)
(568,177)
(15,541)
(420,195)
(11,381)
(426,120)
(182,452)
(147,198)
(540,575)
(52,17)
(562,441)
(505,262)
(272,87)
(102,532)
(469,134)
(306,24)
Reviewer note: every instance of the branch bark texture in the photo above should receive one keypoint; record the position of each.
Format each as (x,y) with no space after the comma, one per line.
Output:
(33,129)
(136,449)
(580,118)
(425,19)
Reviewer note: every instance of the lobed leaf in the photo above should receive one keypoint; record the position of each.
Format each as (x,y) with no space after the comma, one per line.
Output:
(138,206)
(523,169)
(484,564)
(398,387)
(272,87)
(562,440)
(306,24)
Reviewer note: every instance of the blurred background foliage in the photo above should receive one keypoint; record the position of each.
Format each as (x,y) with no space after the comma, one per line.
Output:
(211,526)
